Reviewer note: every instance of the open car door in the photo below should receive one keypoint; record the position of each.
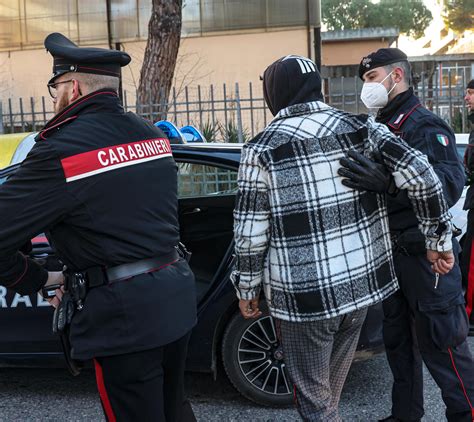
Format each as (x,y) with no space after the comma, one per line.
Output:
(207,199)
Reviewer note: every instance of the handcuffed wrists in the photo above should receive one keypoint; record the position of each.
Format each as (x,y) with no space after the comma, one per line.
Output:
(439,244)
(243,289)
(249,294)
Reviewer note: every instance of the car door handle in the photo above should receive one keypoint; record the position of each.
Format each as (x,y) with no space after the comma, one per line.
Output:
(193,211)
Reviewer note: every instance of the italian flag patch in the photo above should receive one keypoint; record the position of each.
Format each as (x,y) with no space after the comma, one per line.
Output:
(443,140)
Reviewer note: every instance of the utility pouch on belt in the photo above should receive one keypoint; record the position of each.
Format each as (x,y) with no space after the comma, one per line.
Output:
(73,365)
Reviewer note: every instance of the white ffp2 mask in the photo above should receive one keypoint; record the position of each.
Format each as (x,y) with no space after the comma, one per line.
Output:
(374,94)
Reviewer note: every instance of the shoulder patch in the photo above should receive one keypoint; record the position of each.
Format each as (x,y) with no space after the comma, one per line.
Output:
(442,139)
(399,118)
(102,160)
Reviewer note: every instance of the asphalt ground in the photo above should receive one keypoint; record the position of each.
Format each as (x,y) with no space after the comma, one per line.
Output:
(53,395)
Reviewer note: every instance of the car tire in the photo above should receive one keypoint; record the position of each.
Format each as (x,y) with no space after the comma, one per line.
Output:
(253,360)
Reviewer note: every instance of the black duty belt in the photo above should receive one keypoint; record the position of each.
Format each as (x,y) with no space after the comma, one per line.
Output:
(99,276)
(77,285)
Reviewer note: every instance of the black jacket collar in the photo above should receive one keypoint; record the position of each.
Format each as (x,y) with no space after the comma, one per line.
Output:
(104,100)
(401,104)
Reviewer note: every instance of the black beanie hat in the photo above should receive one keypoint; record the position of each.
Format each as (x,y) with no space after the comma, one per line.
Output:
(291,80)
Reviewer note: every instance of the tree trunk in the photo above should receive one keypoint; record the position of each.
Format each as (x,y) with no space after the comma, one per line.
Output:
(156,76)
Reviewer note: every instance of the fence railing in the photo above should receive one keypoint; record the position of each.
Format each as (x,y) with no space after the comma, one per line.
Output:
(237,113)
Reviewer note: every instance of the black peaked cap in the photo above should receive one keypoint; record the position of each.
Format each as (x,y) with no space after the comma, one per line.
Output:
(68,57)
(381,57)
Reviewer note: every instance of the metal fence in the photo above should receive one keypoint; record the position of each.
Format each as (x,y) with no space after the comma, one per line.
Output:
(238,112)
(201,180)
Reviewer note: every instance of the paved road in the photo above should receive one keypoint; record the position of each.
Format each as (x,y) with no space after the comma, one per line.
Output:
(53,395)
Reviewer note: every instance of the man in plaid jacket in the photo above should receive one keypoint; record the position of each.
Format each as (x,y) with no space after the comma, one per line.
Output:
(320,250)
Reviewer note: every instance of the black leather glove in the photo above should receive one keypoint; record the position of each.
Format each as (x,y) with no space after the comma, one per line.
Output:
(366,175)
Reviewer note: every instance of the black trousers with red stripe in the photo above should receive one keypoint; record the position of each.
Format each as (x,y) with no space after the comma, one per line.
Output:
(427,324)
(145,386)
(467,264)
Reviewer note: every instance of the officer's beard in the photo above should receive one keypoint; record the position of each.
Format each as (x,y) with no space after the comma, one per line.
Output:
(61,103)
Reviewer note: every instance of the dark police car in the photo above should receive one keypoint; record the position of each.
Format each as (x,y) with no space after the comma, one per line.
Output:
(249,349)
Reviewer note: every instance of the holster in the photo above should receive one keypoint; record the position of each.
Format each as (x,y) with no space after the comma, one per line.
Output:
(74,366)
(77,285)
(62,318)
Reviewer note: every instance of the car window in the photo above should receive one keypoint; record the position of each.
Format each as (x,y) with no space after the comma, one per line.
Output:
(461,149)
(205,180)
(462,140)
(23,148)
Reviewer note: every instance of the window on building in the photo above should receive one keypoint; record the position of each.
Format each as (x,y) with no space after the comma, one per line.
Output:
(24,24)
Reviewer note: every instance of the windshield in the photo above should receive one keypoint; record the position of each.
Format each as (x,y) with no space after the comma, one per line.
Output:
(23,148)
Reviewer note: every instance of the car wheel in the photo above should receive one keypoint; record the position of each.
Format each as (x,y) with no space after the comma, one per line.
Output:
(253,360)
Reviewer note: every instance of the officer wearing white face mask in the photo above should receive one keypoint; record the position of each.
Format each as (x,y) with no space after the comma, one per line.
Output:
(374,94)
(425,321)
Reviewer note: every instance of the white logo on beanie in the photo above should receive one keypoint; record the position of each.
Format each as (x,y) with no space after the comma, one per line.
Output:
(306,65)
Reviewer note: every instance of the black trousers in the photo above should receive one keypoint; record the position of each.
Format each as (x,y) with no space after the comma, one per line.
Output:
(145,386)
(427,324)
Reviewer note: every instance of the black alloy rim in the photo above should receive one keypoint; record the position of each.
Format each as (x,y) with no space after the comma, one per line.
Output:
(260,358)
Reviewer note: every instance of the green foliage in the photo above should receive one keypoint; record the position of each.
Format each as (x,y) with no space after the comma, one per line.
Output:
(338,14)
(229,132)
(409,16)
(209,131)
(459,14)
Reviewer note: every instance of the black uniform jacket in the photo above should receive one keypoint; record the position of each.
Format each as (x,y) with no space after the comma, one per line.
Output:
(423,130)
(469,166)
(103,183)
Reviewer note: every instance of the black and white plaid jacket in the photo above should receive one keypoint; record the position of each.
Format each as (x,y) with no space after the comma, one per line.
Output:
(321,249)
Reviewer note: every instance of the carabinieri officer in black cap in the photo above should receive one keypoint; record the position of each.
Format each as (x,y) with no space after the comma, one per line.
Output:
(425,321)
(103,184)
